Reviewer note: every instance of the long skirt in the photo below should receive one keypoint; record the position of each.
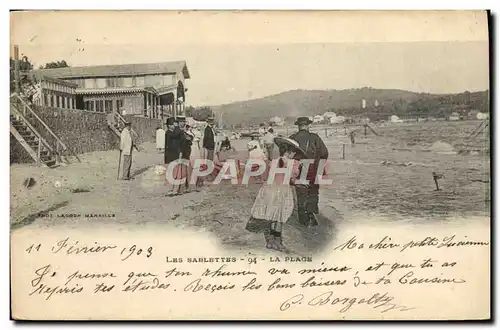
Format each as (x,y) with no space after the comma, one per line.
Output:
(180,172)
(274,203)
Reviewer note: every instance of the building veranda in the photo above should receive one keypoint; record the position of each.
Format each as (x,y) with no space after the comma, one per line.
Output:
(153,90)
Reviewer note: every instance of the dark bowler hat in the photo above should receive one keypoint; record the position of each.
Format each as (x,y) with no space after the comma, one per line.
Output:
(210,120)
(303,121)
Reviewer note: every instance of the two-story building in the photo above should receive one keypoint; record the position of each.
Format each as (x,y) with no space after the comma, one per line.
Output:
(149,89)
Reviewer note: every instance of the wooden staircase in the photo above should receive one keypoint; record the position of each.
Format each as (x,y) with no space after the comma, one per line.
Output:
(26,126)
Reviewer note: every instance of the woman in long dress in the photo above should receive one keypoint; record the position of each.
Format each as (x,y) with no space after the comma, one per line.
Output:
(181,170)
(274,203)
(172,141)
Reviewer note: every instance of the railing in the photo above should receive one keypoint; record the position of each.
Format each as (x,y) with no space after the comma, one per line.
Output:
(41,141)
(26,108)
(123,121)
(118,118)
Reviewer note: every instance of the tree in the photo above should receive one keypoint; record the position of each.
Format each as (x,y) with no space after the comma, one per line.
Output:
(200,113)
(24,66)
(55,65)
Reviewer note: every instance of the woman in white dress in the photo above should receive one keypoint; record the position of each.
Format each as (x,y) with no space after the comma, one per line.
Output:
(160,139)
(274,203)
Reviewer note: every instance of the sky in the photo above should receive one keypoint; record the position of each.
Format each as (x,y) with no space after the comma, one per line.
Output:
(234,57)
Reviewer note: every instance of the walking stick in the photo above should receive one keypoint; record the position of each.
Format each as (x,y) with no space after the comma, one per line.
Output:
(119,162)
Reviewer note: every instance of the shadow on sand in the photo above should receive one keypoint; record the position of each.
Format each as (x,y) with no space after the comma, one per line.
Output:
(32,217)
(139,171)
(226,213)
(315,239)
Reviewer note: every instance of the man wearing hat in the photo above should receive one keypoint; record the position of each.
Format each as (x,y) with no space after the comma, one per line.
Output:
(126,145)
(315,149)
(209,139)
(172,141)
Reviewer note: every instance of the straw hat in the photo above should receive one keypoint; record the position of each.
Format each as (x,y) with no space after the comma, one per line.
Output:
(292,143)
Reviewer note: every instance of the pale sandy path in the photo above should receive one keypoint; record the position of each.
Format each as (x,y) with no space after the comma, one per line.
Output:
(362,189)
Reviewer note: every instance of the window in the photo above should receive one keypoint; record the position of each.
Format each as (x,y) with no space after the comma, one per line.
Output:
(108,106)
(119,104)
(99,106)
(90,83)
(100,83)
(139,81)
(92,105)
(63,103)
(79,82)
(119,82)
(57,102)
(153,80)
(128,82)
(45,100)
(110,82)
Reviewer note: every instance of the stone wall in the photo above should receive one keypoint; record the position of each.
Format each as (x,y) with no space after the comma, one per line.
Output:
(144,127)
(82,131)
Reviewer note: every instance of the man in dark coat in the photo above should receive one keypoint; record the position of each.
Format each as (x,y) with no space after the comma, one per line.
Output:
(308,195)
(173,138)
(209,139)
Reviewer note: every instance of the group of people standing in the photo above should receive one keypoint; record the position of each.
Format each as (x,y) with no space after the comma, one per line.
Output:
(179,139)
(275,201)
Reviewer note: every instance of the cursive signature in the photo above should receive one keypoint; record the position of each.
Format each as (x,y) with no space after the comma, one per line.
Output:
(380,301)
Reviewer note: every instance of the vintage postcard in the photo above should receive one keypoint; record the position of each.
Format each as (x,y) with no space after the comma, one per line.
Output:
(252,165)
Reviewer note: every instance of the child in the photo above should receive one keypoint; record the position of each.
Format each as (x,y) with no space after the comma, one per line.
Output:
(255,153)
(274,203)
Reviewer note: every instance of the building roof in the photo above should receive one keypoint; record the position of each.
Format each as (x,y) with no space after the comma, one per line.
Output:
(113,90)
(166,89)
(39,77)
(117,70)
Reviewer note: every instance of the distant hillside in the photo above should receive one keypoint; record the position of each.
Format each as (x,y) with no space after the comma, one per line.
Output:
(348,103)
